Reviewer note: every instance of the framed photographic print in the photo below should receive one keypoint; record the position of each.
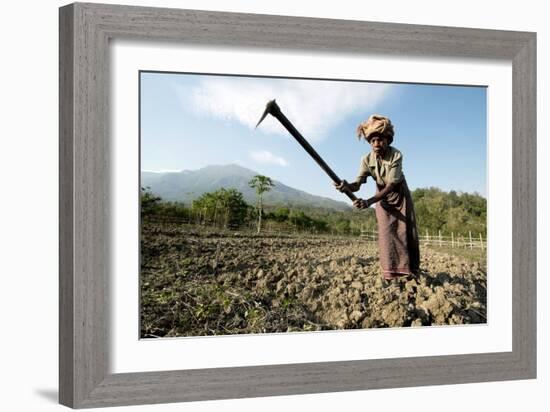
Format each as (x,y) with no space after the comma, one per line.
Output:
(242,196)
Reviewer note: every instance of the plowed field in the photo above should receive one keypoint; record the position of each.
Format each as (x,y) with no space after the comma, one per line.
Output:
(199,282)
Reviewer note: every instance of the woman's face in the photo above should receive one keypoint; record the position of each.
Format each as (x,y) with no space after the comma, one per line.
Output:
(379,144)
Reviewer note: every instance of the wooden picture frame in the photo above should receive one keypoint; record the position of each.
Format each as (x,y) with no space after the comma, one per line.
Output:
(85,31)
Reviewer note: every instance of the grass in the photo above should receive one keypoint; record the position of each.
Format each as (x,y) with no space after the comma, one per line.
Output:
(470,255)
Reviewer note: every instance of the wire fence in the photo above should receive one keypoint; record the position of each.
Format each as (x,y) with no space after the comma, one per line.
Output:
(453,240)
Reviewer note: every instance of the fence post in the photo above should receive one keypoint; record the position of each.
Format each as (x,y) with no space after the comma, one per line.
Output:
(471,244)
(481,242)
(440,242)
(453,239)
(427,237)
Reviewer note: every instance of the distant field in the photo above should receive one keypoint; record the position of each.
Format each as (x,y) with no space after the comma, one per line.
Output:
(204,282)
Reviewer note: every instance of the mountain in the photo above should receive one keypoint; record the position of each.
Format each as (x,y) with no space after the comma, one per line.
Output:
(187,185)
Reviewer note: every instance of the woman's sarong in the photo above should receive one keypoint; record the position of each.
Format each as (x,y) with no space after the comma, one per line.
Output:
(397,233)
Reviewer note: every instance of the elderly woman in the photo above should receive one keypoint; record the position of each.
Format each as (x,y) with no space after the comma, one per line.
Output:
(397,231)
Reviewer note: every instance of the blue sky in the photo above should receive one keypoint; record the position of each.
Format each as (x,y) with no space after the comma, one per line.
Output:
(191,121)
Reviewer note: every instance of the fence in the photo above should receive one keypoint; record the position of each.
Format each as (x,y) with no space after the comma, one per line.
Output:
(458,240)
(454,240)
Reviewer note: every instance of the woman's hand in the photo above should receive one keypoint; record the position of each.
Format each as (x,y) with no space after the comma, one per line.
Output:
(362,203)
(344,186)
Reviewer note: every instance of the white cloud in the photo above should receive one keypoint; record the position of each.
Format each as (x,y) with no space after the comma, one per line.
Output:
(266,157)
(313,106)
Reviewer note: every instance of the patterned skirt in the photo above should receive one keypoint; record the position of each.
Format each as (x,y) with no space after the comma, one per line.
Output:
(397,233)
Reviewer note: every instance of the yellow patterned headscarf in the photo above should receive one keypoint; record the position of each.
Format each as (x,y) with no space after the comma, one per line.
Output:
(376,124)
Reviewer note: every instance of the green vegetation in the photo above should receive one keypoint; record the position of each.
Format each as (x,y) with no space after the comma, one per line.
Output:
(436,210)
(149,202)
(449,211)
(262,184)
(152,205)
(298,219)
(224,207)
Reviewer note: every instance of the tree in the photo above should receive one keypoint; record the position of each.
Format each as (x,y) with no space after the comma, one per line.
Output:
(449,212)
(262,184)
(224,205)
(342,226)
(149,202)
(281,214)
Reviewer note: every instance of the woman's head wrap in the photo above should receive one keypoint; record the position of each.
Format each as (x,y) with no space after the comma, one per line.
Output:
(376,125)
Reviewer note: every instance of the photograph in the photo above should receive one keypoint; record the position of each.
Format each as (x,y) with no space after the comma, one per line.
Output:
(276,205)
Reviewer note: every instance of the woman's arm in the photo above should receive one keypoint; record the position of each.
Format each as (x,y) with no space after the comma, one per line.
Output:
(381,194)
(345,186)
(363,204)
